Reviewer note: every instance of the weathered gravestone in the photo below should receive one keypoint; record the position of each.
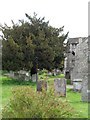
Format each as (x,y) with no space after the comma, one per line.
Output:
(34,77)
(27,77)
(41,84)
(77,85)
(11,74)
(16,75)
(58,72)
(22,74)
(50,73)
(60,86)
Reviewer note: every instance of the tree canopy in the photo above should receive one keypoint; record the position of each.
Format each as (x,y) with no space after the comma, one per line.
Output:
(32,44)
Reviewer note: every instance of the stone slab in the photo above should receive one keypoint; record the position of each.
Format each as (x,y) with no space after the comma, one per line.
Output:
(60,86)
(40,84)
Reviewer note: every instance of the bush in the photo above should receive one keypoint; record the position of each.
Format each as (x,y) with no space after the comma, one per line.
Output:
(27,103)
(41,77)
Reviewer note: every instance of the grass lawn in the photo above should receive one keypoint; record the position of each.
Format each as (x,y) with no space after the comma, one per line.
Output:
(74,98)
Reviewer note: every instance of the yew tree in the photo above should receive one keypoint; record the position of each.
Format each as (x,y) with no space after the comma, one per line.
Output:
(32,44)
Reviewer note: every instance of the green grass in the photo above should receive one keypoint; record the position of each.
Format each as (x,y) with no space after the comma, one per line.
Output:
(8,84)
(74,98)
(75,101)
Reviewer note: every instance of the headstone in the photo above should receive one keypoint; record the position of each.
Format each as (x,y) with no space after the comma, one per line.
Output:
(27,77)
(16,75)
(11,74)
(54,74)
(77,85)
(22,72)
(40,84)
(85,88)
(22,75)
(34,77)
(7,74)
(50,73)
(58,72)
(40,72)
(60,86)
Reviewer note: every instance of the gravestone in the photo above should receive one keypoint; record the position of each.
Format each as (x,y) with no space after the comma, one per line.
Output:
(33,77)
(58,72)
(22,74)
(50,74)
(40,72)
(16,75)
(85,87)
(11,74)
(27,77)
(77,85)
(60,86)
(40,84)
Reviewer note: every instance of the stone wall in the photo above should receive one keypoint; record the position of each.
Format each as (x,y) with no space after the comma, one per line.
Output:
(80,70)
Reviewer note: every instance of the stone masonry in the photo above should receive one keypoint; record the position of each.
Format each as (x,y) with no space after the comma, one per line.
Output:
(80,70)
(77,63)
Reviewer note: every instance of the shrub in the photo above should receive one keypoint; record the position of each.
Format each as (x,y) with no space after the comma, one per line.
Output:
(41,77)
(27,103)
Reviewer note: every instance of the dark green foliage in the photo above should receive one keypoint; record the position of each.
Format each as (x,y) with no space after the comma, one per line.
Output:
(27,103)
(32,44)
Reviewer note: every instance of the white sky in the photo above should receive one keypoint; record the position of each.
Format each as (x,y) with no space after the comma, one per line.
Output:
(73,14)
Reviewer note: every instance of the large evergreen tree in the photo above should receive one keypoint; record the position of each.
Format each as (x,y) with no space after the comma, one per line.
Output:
(32,44)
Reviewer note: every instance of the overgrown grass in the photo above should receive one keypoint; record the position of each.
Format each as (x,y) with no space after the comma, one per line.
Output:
(27,103)
(74,99)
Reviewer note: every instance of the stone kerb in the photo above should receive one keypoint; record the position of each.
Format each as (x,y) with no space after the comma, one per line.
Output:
(60,86)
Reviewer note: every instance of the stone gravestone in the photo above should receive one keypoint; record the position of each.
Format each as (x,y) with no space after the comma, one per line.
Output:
(60,86)
(11,74)
(58,72)
(34,77)
(77,85)
(27,77)
(40,84)
(50,74)
(22,74)
(16,75)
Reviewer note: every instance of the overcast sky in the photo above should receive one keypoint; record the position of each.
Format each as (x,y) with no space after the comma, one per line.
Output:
(73,14)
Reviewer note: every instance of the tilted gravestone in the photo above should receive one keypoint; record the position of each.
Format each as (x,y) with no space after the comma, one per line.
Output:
(40,84)
(60,86)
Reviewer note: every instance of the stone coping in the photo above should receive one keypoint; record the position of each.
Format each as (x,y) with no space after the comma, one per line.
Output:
(77,80)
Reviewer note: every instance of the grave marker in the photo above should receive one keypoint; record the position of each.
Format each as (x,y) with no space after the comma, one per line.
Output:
(60,86)
(40,84)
